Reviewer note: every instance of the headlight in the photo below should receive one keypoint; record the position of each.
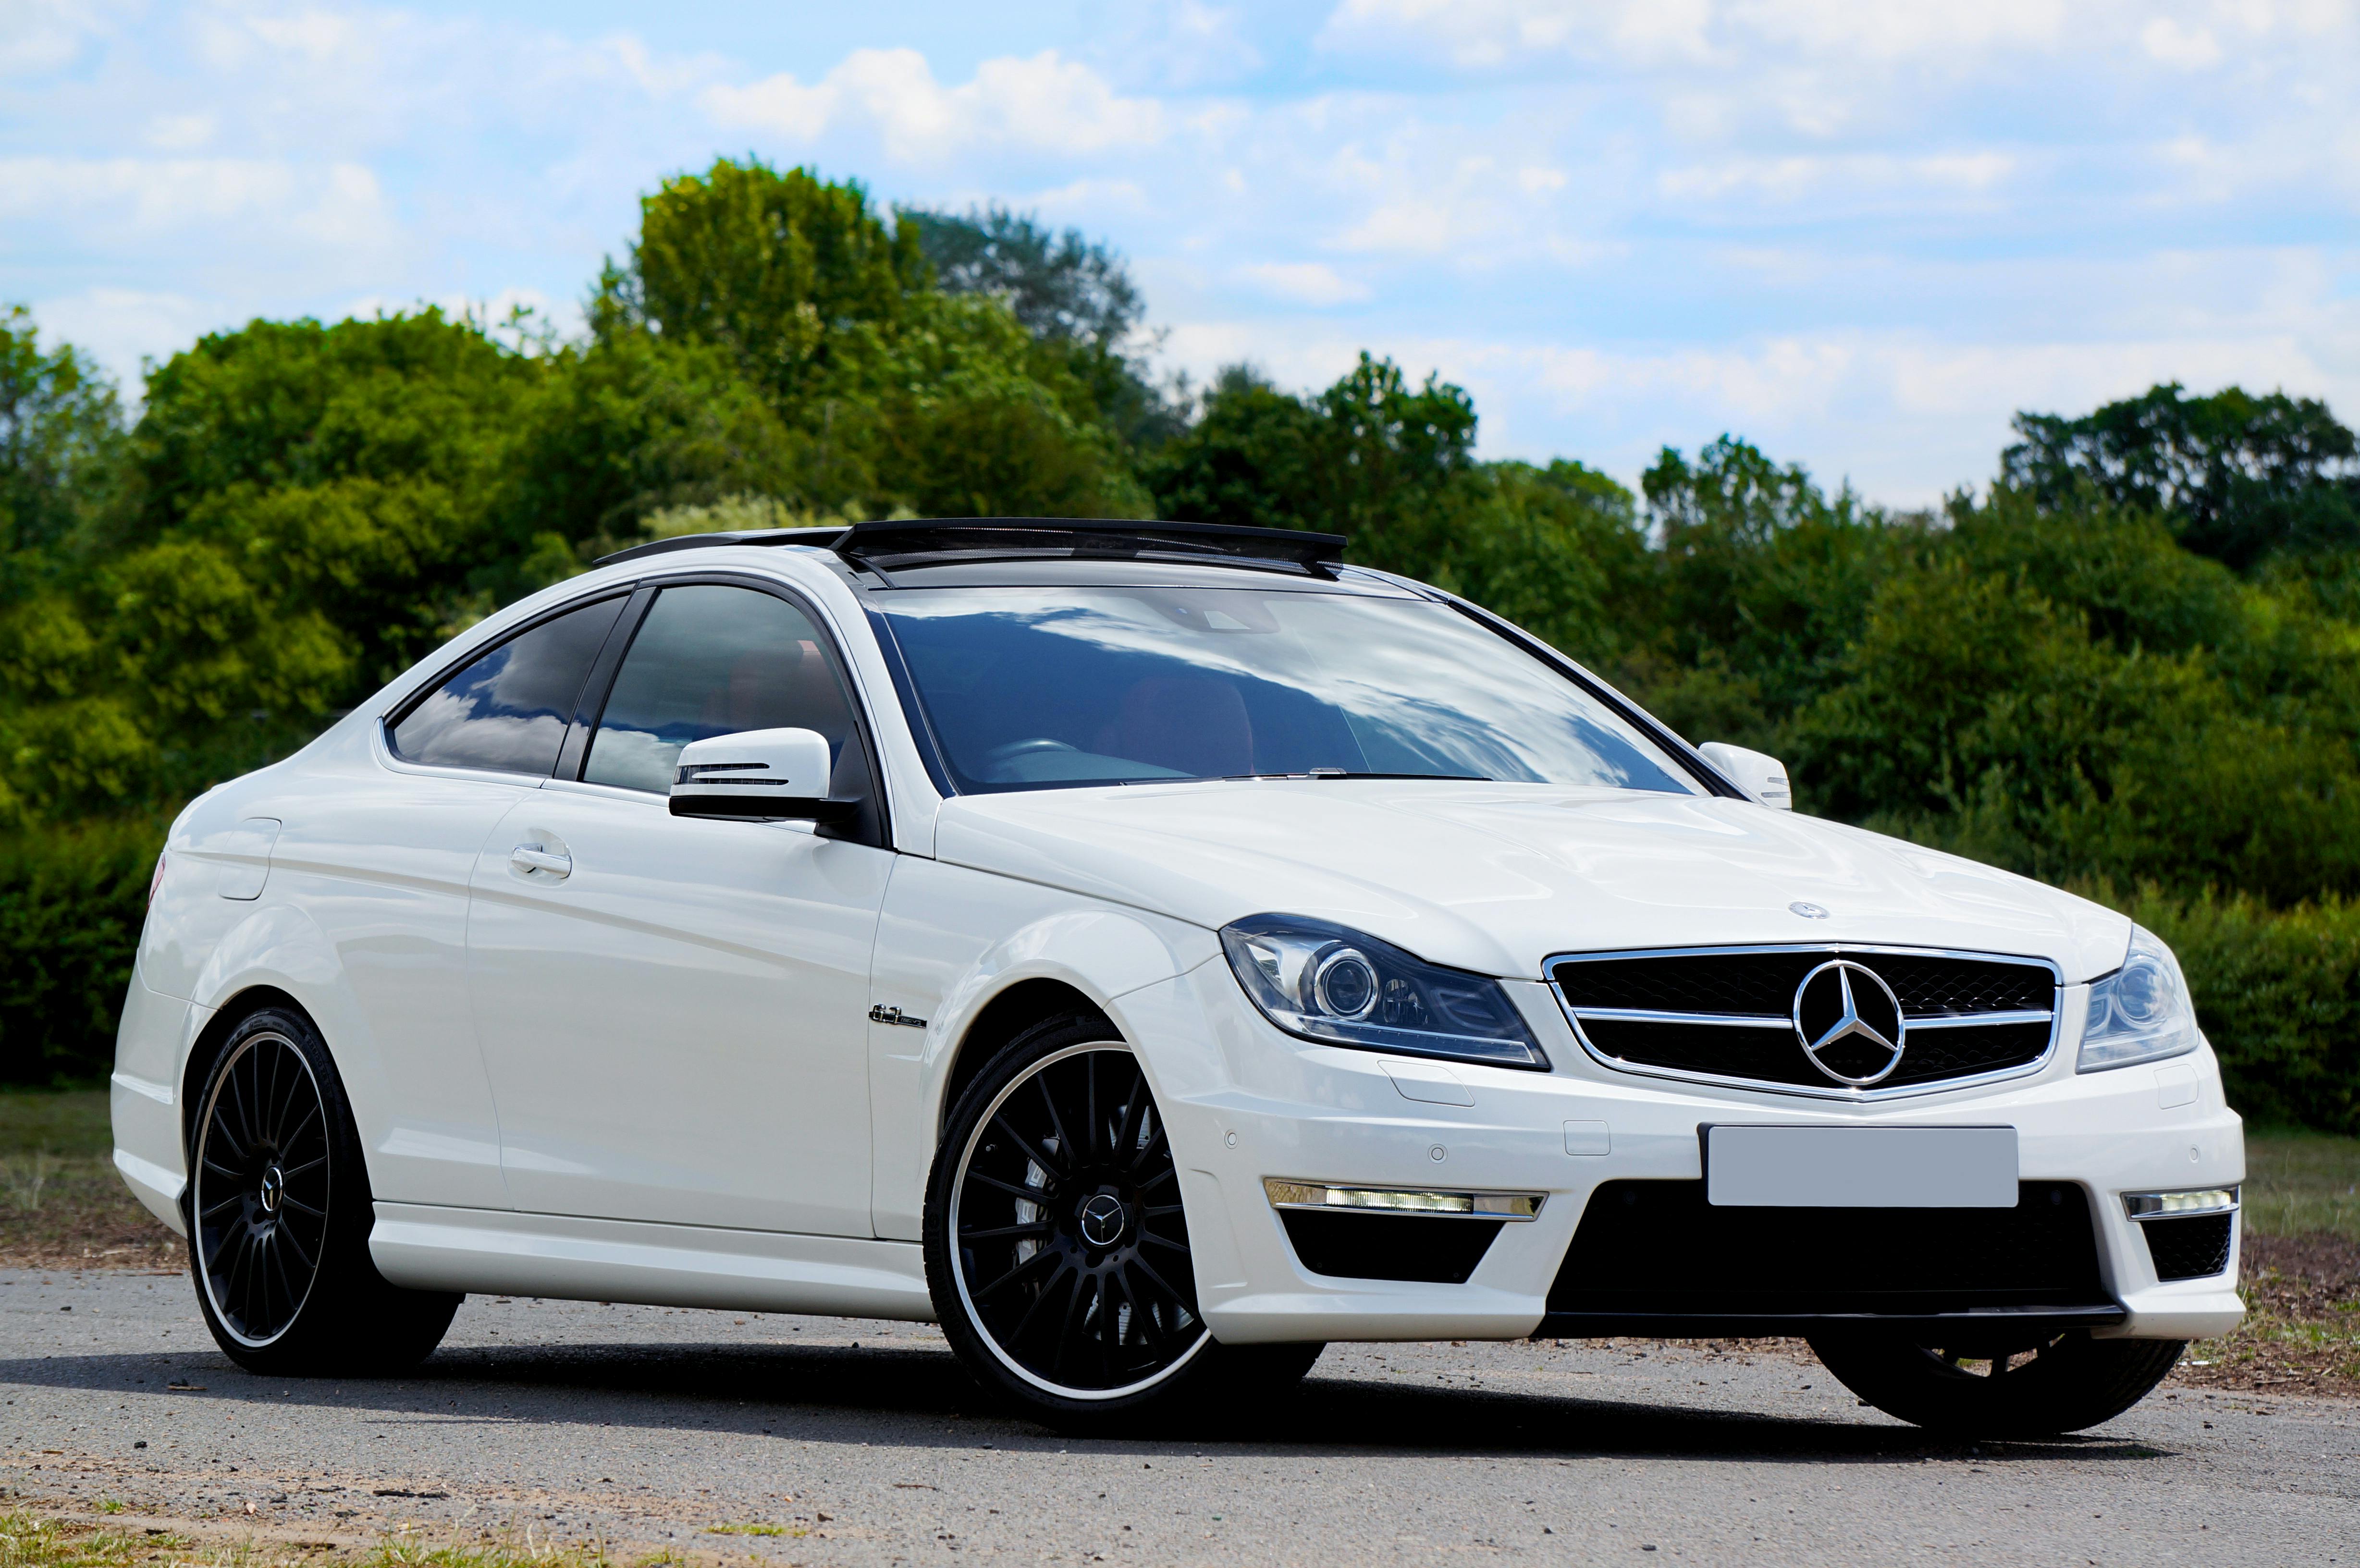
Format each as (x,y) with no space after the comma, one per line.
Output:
(2140,1012)
(1340,986)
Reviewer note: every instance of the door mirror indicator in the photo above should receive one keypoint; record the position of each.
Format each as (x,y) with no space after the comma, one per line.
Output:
(767,774)
(1763,779)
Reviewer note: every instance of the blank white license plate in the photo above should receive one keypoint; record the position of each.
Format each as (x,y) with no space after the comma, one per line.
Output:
(1859,1168)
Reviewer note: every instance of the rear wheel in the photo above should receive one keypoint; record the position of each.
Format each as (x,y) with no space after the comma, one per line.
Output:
(279,1214)
(1057,1248)
(2021,1387)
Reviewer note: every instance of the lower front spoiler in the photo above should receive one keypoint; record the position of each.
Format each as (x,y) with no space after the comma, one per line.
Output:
(1974,1323)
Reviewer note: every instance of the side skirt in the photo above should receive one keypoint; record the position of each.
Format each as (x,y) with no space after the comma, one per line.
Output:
(499,1252)
(1701,1325)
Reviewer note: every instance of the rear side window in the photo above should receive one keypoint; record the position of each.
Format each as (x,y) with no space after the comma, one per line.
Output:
(508,709)
(712,660)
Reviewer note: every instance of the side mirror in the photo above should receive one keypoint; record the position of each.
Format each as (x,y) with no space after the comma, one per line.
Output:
(772,774)
(1762,777)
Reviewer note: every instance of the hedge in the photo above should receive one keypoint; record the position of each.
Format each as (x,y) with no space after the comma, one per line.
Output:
(72,900)
(2278,991)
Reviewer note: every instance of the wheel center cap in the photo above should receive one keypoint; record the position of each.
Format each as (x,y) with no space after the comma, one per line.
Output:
(274,1187)
(1102,1220)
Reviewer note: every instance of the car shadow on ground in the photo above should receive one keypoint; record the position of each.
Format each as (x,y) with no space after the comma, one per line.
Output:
(918,1396)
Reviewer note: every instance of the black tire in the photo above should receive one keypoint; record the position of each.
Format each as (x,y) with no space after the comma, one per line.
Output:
(1070,1293)
(279,1211)
(2023,1388)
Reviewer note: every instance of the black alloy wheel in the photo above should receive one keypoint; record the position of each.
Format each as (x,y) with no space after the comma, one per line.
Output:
(280,1213)
(1072,1251)
(1057,1246)
(262,1188)
(1994,1386)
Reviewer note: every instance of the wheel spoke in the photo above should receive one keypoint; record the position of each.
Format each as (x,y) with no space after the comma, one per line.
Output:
(1167,1174)
(1069,1277)
(230,1201)
(1157,1211)
(219,1127)
(1038,1227)
(1033,1151)
(1090,1099)
(290,1172)
(300,1207)
(302,1253)
(1134,1111)
(1044,1255)
(1030,1194)
(1082,1292)
(1056,1122)
(1158,1281)
(1179,1246)
(1156,1144)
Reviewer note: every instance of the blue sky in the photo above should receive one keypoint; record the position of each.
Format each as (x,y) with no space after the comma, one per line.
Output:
(1861,233)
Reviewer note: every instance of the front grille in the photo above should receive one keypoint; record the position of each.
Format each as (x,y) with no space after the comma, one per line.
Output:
(1658,1248)
(1432,1249)
(1727,1015)
(2191,1248)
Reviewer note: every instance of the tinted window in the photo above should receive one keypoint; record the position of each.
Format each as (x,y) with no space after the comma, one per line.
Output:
(709,661)
(1029,688)
(508,709)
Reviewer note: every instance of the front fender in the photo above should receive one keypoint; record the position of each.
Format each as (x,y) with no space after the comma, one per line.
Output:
(951,942)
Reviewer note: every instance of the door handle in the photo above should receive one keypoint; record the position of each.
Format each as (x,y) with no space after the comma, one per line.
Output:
(533,857)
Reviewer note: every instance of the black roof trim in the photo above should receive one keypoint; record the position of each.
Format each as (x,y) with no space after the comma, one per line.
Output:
(913,540)
(821,536)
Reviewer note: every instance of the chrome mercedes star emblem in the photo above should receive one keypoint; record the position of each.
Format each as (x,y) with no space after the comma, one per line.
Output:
(1102,1220)
(1849,1022)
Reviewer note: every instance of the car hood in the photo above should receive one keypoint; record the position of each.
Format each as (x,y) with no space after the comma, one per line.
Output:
(1497,877)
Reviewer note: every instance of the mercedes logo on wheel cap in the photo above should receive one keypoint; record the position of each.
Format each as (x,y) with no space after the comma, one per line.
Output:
(1849,1022)
(1102,1220)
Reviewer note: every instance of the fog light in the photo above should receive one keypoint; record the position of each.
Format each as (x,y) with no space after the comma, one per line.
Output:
(1403,1201)
(2172,1206)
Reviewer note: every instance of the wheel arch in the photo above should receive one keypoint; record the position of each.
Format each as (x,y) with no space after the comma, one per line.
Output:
(1009,1012)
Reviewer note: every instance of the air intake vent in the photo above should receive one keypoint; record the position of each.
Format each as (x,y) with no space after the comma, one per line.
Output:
(2194,1248)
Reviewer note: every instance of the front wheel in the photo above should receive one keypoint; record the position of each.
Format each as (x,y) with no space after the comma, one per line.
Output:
(2020,1388)
(1056,1247)
(279,1214)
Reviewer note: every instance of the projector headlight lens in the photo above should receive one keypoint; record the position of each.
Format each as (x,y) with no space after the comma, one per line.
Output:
(1339,987)
(2140,1012)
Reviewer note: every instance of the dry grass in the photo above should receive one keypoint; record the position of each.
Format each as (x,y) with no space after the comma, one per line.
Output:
(61,1204)
(31,1539)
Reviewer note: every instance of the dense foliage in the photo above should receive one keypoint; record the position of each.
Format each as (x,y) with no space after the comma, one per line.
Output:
(2132,662)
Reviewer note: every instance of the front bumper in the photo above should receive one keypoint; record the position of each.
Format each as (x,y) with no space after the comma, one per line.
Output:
(1246,1103)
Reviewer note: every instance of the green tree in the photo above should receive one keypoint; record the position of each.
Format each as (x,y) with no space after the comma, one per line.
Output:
(60,438)
(2242,477)
(781,270)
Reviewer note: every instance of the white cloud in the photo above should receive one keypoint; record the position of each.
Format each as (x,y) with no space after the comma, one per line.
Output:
(1807,177)
(120,326)
(1044,103)
(144,194)
(48,35)
(1311,283)
(2191,49)
(1484,33)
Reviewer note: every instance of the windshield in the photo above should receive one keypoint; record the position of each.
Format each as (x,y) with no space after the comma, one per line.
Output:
(1034,688)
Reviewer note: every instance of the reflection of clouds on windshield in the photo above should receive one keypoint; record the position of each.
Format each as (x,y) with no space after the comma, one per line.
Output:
(1409,678)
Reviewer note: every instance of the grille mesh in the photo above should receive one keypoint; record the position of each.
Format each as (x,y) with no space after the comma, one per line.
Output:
(1762,985)
(2191,1248)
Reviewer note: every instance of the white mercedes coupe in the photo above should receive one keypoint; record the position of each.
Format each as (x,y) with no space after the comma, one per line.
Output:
(1150,951)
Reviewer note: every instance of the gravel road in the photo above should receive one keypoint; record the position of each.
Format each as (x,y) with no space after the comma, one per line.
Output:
(817,1441)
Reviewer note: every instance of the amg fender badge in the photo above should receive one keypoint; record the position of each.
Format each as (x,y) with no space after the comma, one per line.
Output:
(880,1014)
